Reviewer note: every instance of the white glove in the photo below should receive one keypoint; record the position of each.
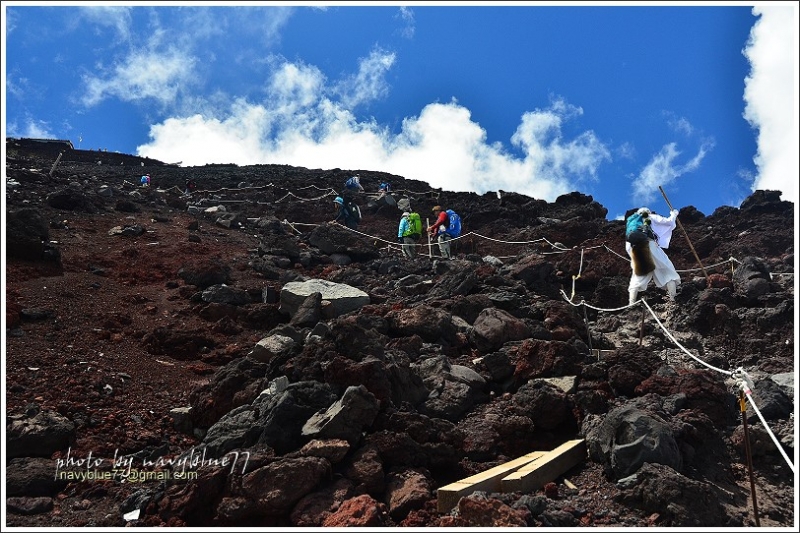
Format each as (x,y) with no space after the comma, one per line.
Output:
(674,213)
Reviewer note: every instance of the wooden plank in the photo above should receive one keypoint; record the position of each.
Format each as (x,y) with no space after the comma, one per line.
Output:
(489,481)
(552,464)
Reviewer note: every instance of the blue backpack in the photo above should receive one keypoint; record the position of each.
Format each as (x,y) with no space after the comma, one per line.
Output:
(352,183)
(454,229)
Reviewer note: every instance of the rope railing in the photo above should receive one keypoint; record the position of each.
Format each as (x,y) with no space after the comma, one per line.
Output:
(739,375)
(556,247)
(746,386)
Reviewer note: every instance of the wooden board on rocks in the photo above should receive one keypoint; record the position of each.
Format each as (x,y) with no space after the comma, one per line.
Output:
(448,496)
(527,473)
(546,468)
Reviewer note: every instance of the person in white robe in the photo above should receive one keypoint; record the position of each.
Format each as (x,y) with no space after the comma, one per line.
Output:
(664,275)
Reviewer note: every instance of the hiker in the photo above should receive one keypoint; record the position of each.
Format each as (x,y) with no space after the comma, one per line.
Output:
(352,187)
(408,233)
(190,187)
(383,198)
(447,226)
(145,181)
(647,235)
(347,213)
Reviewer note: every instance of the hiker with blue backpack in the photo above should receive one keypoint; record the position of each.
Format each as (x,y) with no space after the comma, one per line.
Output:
(647,235)
(446,227)
(408,233)
(352,186)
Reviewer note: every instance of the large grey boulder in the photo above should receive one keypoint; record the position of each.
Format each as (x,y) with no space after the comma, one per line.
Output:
(345,419)
(628,437)
(343,298)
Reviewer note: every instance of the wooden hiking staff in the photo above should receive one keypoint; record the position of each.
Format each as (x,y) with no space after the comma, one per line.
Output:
(684,234)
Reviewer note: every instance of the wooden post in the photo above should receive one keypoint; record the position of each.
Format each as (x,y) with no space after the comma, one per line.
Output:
(684,234)
(430,248)
(56,163)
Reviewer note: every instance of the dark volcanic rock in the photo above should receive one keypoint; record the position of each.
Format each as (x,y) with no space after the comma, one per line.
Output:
(324,380)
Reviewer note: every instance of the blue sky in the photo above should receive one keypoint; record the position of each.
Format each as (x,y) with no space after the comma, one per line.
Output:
(609,100)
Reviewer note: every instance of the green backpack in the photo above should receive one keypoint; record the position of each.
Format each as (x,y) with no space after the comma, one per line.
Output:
(414,225)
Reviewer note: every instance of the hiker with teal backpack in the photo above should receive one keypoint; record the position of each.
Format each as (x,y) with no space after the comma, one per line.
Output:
(647,235)
(347,212)
(408,233)
(446,227)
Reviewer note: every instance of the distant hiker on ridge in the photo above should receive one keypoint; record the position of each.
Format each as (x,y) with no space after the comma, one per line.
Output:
(352,187)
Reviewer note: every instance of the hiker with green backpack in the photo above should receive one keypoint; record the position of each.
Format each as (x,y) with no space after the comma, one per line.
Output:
(408,233)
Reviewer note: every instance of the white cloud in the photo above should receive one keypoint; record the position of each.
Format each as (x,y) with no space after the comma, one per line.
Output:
(117,18)
(142,75)
(663,170)
(294,87)
(771,98)
(626,150)
(262,24)
(12,18)
(299,124)
(679,124)
(32,128)
(369,83)
(406,14)
(17,87)
(549,159)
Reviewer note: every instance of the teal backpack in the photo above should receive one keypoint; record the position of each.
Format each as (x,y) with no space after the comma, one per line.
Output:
(638,230)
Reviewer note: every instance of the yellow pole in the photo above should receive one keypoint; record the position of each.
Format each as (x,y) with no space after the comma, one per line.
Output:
(743,409)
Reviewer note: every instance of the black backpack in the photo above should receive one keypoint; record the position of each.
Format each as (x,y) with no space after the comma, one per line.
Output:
(352,211)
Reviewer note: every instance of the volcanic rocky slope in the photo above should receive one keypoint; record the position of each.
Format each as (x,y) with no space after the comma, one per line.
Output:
(252,364)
